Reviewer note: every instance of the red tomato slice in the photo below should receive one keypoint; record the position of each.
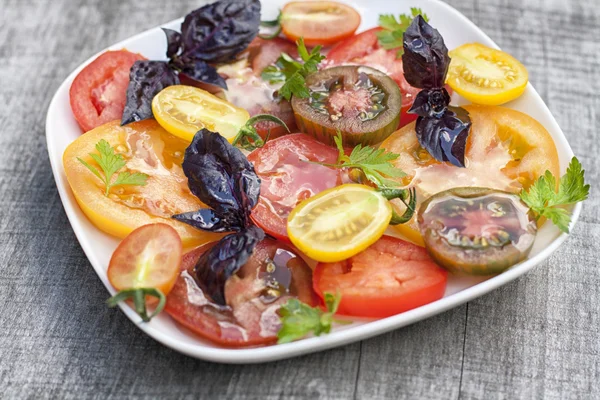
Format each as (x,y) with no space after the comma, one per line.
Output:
(266,52)
(250,317)
(390,277)
(364,49)
(98,92)
(288,177)
(318,22)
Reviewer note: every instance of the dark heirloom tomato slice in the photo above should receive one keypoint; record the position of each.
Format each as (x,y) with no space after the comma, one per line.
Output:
(288,177)
(477,231)
(273,274)
(390,277)
(360,102)
(98,92)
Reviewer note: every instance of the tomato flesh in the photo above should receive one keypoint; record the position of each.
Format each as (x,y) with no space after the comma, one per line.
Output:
(288,177)
(98,93)
(323,22)
(390,277)
(253,296)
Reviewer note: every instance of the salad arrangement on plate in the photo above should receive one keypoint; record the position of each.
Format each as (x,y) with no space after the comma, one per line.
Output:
(271,179)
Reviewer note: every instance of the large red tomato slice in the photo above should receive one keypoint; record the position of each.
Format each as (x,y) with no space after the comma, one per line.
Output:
(273,274)
(388,278)
(98,92)
(288,177)
(364,49)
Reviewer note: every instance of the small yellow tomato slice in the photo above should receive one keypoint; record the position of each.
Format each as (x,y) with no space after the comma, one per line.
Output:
(339,223)
(486,76)
(184,110)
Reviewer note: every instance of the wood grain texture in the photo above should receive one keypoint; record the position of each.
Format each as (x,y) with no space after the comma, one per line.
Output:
(535,338)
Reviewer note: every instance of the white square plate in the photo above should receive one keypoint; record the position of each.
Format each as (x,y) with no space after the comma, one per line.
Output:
(61,129)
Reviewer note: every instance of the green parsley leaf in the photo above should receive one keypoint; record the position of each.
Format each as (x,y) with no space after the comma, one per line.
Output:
(299,319)
(392,35)
(544,200)
(374,163)
(293,72)
(110,163)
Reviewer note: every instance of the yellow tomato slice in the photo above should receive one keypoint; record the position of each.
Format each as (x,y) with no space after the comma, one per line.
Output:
(339,223)
(486,76)
(506,150)
(146,148)
(184,110)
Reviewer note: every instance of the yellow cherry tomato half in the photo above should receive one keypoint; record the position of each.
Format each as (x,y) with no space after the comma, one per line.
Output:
(339,223)
(486,76)
(506,150)
(146,148)
(184,110)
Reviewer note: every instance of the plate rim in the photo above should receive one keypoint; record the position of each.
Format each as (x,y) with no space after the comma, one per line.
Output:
(311,344)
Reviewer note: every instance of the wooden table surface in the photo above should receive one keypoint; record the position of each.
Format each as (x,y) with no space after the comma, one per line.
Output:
(537,337)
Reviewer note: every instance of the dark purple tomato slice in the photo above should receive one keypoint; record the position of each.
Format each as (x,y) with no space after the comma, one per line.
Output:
(476,231)
(254,294)
(360,102)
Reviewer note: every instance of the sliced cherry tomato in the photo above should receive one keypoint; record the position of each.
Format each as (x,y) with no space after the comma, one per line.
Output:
(319,22)
(146,148)
(288,177)
(273,274)
(477,231)
(388,278)
(364,49)
(339,223)
(484,75)
(506,150)
(98,92)
(184,110)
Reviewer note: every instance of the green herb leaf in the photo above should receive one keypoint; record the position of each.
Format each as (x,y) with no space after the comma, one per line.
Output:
(110,163)
(293,72)
(544,200)
(299,319)
(249,139)
(392,35)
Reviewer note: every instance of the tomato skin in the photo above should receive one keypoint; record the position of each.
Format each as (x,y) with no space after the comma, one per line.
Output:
(390,277)
(220,325)
(98,93)
(288,177)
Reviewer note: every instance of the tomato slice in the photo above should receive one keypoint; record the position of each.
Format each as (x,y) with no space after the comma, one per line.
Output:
(288,177)
(273,274)
(388,278)
(184,110)
(322,22)
(364,49)
(484,75)
(506,150)
(98,92)
(149,257)
(147,148)
(339,223)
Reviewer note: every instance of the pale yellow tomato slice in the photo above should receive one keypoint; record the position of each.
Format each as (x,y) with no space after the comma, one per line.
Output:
(486,76)
(184,110)
(339,223)
(506,150)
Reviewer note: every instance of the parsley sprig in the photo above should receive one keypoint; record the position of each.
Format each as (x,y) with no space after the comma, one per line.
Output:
(544,200)
(392,35)
(299,319)
(110,163)
(293,72)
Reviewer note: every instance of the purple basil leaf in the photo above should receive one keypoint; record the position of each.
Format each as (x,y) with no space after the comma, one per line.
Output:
(146,79)
(221,176)
(445,136)
(199,72)
(210,220)
(223,260)
(217,32)
(425,57)
(430,102)
(173,42)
